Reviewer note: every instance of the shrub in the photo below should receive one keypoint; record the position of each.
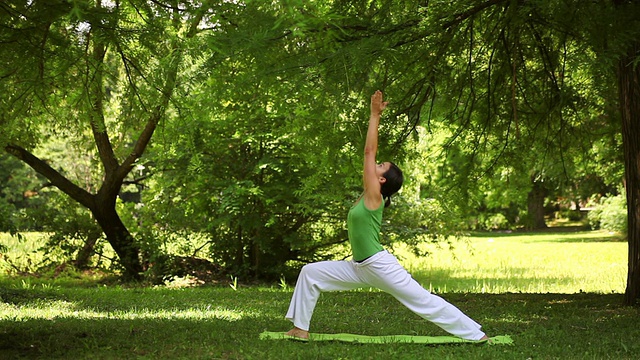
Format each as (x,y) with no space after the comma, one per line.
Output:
(610,214)
(496,222)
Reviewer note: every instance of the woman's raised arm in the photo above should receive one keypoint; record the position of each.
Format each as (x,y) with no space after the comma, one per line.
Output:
(371,180)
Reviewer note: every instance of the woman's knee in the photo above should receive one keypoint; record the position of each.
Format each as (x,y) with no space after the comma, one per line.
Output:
(323,272)
(308,269)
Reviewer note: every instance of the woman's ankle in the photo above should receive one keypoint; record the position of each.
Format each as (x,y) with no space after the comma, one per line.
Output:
(297,332)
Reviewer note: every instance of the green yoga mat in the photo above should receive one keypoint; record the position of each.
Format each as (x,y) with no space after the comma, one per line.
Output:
(385,339)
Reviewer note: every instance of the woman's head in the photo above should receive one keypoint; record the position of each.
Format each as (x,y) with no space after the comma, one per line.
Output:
(392,183)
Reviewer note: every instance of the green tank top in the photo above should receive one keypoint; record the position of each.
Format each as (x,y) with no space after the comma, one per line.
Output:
(363,226)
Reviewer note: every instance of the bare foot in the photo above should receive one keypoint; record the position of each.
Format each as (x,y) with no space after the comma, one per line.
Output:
(487,339)
(299,333)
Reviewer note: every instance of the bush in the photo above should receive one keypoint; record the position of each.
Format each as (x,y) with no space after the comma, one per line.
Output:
(496,222)
(610,214)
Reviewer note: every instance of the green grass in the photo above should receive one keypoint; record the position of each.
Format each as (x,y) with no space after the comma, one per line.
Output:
(45,319)
(220,323)
(593,261)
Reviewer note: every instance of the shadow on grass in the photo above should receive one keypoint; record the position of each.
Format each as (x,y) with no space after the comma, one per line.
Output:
(120,338)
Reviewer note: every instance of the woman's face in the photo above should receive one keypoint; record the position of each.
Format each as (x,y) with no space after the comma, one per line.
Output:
(382,168)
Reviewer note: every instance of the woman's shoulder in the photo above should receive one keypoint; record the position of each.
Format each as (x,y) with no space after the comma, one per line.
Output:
(372,202)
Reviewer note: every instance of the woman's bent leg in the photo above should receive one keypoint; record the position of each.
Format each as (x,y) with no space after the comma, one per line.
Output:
(314,279)
(388,275)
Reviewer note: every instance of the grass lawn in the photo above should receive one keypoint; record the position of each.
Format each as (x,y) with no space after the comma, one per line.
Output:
(42,319)
(587,261)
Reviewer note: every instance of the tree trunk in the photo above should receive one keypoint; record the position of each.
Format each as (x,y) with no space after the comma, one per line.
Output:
(629,96)
(535,206)
(101,205)
(84,254)
(121,241)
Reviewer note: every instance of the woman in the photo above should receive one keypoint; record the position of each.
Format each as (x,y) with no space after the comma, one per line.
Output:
(371,265)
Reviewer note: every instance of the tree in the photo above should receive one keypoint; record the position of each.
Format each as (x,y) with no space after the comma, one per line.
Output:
(126,58)
(629,87)
(131,59)
(507,77)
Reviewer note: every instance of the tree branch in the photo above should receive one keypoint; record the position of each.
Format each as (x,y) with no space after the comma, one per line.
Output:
(98,127)
(462,16)
(58,180)
(158,112)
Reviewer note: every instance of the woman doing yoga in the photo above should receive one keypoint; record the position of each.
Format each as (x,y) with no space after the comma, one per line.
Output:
(371,265)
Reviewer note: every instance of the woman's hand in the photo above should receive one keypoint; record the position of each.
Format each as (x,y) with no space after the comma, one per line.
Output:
(377,105)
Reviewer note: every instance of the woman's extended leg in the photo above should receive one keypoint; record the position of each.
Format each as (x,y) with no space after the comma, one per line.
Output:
(389,276)
(314,279)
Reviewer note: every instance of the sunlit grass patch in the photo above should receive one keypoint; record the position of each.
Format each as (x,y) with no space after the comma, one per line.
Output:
(20,301)
(534,263)
(561,262)
(209,313)
(60,309)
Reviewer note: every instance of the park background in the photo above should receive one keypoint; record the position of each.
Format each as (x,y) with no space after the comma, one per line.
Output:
(176,162)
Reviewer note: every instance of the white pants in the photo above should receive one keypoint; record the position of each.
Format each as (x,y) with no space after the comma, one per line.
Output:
(381,271)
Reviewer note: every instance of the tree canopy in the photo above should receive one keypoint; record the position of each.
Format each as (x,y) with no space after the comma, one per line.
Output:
(244,121)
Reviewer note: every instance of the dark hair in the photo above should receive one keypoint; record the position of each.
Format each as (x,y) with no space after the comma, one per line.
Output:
(393,184)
